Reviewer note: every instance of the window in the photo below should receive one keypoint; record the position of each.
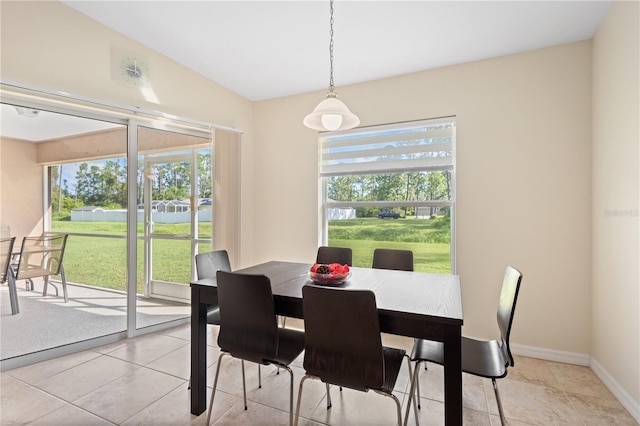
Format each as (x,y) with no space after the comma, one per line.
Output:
(391,186)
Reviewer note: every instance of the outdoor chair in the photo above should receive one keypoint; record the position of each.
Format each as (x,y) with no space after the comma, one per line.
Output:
(249,329)
(6,249)
(328,255)
(41,257)
(343,345)
(483,358)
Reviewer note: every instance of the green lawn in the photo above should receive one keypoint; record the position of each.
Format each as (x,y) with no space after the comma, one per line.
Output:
(101,261)
(427,238)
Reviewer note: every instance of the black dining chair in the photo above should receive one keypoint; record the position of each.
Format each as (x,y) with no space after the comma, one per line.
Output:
(249,329)
(484,358)
(207,265)
(343,345)
(328,255)
(399,260)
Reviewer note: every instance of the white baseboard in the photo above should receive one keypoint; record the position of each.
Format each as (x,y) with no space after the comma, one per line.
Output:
(632,406)
(551,355)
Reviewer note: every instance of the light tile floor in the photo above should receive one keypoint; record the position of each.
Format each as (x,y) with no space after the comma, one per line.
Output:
(144,381)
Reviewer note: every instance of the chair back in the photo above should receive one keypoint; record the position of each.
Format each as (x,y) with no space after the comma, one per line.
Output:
(248,327)
(41,256)
(207,264)
(6,248)
(507,307)
(342,337)
(399,260)
(341,255)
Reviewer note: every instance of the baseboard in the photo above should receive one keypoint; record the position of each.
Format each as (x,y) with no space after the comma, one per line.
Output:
(633,407)
(551,355)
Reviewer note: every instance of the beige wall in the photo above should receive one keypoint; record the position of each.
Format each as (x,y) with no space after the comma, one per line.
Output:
(523,181)
(21,210)
(615,322)
(48,45)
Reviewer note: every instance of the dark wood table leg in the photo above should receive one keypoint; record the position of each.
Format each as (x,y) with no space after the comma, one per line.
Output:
(198,353)
(453,376)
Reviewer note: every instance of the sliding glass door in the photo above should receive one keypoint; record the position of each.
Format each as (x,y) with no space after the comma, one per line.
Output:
(134,195)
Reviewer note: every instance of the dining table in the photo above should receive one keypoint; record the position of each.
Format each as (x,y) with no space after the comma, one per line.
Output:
(414,304)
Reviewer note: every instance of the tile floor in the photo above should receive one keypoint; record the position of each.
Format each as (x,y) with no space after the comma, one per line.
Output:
(143,381)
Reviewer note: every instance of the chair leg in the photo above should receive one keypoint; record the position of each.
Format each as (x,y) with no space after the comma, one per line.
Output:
(244,386)
(300,399)
(215,384)
(416,402)
(328,396)
(414,379)
(259,378)
(13,293)
(398,404)
(290,395)
(46,285)
(417,384)
(495,389)
(63,277)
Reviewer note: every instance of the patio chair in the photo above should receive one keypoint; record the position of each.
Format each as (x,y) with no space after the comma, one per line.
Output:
(42,257)
(6,249)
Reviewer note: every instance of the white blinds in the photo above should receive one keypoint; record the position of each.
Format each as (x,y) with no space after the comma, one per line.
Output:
(418,146)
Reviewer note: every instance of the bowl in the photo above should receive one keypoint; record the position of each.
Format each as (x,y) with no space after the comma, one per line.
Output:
(329,279)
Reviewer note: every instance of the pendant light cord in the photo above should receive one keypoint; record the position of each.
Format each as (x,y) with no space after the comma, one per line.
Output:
(331,86)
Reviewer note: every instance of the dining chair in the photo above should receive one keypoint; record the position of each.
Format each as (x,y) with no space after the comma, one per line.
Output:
(399,260)
(249,329)
(341,255)
(483,358)
(207,265)
(343,345)
(42,256)
(6,249)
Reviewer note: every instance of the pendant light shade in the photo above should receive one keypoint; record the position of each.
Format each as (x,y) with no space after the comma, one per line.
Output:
(331,114)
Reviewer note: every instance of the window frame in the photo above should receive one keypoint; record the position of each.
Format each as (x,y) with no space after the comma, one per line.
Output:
(325,204)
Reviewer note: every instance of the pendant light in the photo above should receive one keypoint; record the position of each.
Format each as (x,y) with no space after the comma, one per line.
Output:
(331,114)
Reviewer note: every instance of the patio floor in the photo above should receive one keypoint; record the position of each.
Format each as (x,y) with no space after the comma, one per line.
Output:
(46,322)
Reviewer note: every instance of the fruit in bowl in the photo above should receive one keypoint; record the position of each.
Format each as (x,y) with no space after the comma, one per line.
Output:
(332,273)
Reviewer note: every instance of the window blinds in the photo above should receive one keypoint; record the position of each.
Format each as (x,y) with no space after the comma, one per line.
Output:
(417,146)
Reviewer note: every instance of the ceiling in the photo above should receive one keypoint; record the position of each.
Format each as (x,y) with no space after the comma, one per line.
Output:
(269,49)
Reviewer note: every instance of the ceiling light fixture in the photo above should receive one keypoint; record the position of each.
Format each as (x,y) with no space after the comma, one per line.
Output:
(331,114)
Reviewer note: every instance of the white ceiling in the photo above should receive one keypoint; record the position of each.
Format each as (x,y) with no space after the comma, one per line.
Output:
(36,126)
(268,49)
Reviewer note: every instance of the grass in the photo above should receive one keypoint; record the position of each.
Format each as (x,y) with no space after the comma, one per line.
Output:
(429,239)
(101,261)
